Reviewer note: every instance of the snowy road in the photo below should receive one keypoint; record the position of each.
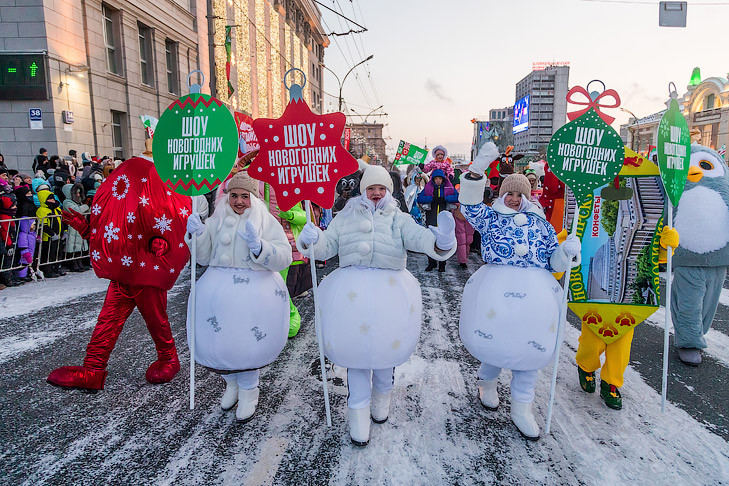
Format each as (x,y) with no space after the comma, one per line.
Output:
(136,433)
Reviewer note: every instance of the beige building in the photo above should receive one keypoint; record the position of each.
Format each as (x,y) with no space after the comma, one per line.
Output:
(97,65)
(706,108)
(267,39)
(105,63)
(366,139)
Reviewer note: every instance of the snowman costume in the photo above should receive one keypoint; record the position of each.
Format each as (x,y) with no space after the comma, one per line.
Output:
(372,284)
(511,306)
(242,311)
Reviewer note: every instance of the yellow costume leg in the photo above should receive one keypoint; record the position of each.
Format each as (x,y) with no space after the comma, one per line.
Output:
(589,350)
(617,357)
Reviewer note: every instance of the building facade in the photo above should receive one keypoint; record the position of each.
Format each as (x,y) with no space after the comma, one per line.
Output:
(266,39)
(705,106)
(366,139)
(547,104)
(104,64)
(706,109)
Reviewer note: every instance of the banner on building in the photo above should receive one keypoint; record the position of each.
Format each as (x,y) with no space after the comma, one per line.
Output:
(408,153)
(228,49)
(347,137)
(247,141)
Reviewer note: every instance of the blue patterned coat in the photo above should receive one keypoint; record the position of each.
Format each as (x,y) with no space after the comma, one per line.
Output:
(522,239)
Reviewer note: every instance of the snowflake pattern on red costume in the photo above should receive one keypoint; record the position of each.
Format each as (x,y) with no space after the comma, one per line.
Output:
(133,201)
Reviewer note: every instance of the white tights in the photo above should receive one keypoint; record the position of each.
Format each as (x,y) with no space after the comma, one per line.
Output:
(361,382)
(247,380)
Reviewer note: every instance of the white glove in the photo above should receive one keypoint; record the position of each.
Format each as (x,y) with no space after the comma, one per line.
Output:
(194,225)
(250,236)
(445,232)
(486,154)
(571,246)
(309,235)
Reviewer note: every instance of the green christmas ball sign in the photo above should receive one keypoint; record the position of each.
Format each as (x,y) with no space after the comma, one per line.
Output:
(195,144)
(674,151)
(585,154)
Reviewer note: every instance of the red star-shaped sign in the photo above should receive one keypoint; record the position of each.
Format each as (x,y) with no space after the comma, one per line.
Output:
(301,155)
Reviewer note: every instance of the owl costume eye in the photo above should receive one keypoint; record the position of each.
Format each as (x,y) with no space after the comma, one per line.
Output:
(709,166)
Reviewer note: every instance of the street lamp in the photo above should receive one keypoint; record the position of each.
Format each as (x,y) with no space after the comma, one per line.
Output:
(341,83)
(635,122)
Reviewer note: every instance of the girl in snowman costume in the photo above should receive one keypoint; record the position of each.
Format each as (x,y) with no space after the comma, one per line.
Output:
(511,307)
(242,305)
(370,307)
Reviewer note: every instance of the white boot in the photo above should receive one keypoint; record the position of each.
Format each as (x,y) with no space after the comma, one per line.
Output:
(380,406)
(230,397)
(247,401)
(359,425)
(521,415)
(487,394)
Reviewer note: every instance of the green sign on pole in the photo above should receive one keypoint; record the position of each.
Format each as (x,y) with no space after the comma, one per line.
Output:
(195,144)
(674,151)
(408,153)
(585,154)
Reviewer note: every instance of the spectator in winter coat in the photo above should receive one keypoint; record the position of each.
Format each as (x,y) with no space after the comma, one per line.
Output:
(371,305)
(464,236)
(49,216)
(42,157)
(242,306)
(397,191)
(511,306)
(437,195)
(440,161)
(39,184)
(8,231)
(25,246)
(75,245)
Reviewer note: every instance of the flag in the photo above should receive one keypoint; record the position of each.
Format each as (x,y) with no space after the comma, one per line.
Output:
(228,42)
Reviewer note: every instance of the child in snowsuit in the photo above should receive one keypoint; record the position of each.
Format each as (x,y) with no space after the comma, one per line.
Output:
(510,310)
(372,237)
(437,195)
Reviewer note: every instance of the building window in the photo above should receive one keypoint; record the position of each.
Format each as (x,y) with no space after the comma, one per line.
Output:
(111,34)
(709,102)
(117,133)
(145,54)
(173,82)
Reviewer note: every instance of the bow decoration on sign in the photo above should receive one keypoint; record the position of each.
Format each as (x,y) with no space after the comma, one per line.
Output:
(592,103)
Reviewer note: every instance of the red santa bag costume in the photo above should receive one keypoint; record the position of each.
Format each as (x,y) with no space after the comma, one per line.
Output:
(136,237)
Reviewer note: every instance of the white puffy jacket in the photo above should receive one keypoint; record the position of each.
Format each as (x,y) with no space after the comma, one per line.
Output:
(220,246)
(379,240)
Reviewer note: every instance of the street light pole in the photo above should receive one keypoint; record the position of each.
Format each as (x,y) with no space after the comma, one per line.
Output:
(341,83)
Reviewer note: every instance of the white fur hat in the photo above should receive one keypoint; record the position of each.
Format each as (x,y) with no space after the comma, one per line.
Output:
(440,147)
(375,174)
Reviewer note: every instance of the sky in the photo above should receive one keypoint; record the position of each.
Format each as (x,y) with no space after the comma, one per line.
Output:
(437,64)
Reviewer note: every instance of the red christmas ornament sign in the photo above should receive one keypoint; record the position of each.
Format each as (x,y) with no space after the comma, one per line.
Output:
(301,155)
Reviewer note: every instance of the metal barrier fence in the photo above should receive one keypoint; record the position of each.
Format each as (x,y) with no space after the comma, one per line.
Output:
(35,249)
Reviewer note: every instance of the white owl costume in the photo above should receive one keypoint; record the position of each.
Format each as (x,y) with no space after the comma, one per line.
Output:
(702,257)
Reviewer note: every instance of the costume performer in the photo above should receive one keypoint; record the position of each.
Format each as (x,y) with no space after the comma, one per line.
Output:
(136,241)
(242,306)
(702,257)
(370,307)
(511,306)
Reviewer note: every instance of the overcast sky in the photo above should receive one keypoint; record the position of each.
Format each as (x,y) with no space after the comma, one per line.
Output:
(439,64)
